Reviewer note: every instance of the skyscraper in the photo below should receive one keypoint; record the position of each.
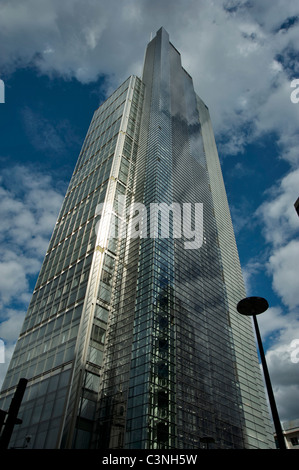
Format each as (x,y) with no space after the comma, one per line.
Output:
(132,339)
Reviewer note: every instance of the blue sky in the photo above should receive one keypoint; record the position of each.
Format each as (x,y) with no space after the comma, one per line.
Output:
(60,63)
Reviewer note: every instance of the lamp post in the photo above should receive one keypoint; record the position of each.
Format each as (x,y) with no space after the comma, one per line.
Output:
(12,414)
(253,306)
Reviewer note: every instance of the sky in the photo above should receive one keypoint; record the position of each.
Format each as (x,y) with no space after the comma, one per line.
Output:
(60,60)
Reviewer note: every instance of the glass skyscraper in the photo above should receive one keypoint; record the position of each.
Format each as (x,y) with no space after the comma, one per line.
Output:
(132,339)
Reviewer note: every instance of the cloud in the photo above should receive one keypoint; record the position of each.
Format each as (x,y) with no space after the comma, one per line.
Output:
(282,358)
(280,223)
(9,331)
(280,226)
(280,325)
(283,265)
(217,40)
(284,369)
(11,326)
(249,272)
(8,352)
(14,272)
(271,322)
(29,205)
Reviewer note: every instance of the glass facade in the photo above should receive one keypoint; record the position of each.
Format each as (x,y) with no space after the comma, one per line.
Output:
(132,339)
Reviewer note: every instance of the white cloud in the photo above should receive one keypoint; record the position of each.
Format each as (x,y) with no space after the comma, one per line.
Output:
(14,272)
(271,322)
(284,371)
(277,212)
(230,48)
(9,331)
(249,272)
(280,226)
(280,325)
(10,327)
(8,352)
(29,206)
(283,265)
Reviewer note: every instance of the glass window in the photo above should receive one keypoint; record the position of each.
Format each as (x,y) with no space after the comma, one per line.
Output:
(98,334)
(101,313)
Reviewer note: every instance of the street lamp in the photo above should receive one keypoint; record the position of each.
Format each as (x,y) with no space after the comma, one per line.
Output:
(253,306)
(11,419)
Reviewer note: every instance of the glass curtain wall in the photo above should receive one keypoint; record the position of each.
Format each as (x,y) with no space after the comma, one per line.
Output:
(258,430)
(131,339)
(180,382)
(61,343)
